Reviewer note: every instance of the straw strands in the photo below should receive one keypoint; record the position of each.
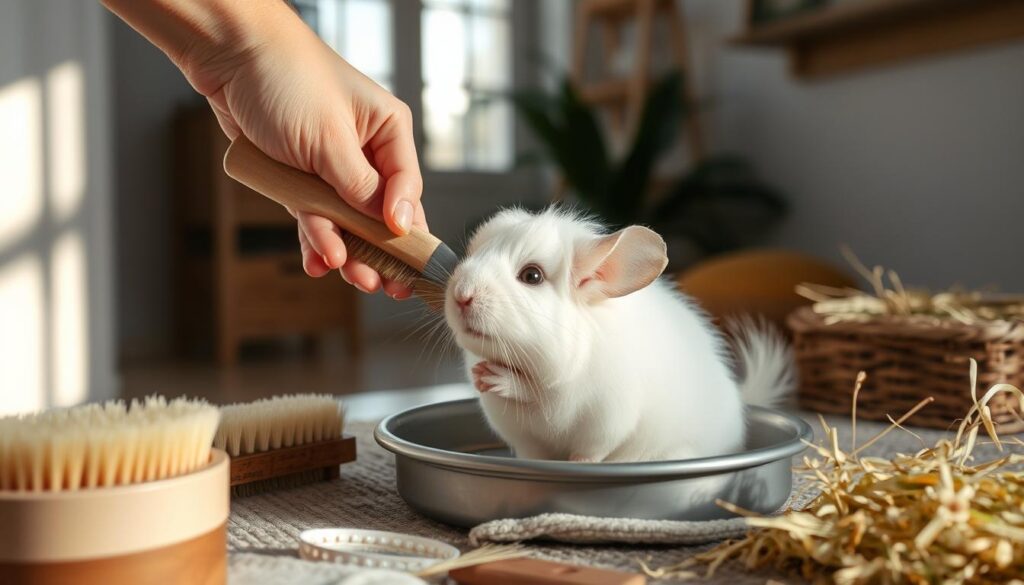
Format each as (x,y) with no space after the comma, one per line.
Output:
(889,298)
(935,516)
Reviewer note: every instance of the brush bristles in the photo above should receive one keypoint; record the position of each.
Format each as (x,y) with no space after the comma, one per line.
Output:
(391,268)
(104,445)
(281,421)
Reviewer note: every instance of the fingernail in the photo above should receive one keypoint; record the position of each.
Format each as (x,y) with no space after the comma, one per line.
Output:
(326,261)
(360,287)
(403,215)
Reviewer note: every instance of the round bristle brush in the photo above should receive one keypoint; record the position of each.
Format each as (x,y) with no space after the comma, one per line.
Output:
(105,445)
(417,259)
(114,493)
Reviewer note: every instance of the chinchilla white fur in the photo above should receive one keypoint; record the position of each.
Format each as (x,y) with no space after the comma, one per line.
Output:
(597,359)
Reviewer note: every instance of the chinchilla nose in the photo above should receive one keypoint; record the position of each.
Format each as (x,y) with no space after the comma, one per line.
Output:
(463,300)
(463,291)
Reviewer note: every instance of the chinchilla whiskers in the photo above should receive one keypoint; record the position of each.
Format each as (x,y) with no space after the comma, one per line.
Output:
(543,321)
(435,334)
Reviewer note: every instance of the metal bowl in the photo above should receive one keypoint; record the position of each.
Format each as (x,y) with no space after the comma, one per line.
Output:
(452,467)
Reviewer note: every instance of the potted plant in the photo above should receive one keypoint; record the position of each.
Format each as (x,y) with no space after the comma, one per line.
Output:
(719,204)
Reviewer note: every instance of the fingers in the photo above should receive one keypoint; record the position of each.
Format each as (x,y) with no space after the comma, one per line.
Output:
(225,119)
(312,262)
(340,161)
(323,250)
(393,193)
(397,290)
(366,279)
(401,200)
(394,152)
(348,165)
(324,237)
(361,276)
(421,217)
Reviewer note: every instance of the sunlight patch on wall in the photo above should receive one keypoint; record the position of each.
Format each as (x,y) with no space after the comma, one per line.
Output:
(69,323)
(21,201)
(66,133)
(22,344)
(66,156)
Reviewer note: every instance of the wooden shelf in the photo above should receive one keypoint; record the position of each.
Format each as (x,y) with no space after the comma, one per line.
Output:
(616,9)
(609,91)
(856,34)
(830,19)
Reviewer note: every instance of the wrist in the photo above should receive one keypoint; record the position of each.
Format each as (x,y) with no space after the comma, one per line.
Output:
(230,33)
(206,39)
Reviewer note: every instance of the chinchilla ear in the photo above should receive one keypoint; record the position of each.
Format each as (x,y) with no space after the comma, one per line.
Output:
(618,264)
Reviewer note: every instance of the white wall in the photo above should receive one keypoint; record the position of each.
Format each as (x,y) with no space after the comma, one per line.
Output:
(919,166)
(56,297)
(147,89)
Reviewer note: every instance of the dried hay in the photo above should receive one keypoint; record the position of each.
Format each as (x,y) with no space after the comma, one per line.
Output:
(936,516)
(894,300)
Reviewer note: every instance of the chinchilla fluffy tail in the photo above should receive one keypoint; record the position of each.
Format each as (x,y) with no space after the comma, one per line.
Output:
(767,369)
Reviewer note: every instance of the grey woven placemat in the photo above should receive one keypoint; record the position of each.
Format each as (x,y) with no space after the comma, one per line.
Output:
(593,530)
(262,529)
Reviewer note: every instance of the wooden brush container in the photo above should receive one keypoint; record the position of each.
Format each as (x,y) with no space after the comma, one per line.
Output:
(166,532)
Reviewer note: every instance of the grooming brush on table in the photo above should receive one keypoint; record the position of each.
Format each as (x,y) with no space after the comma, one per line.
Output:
(539,572)
(113,494)
(416,259)
(283,442)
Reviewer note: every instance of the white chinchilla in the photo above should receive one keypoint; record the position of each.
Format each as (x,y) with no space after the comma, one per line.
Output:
(581,353)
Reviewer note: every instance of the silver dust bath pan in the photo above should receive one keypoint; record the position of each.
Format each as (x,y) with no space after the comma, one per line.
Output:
(452,468)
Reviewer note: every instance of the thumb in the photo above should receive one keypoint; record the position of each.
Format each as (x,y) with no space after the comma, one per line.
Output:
(341,162)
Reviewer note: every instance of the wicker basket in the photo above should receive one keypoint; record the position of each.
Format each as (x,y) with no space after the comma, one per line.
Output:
(907,361)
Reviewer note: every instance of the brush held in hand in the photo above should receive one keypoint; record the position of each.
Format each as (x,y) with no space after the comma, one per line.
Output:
(416,259)
(284,441)
(104,445)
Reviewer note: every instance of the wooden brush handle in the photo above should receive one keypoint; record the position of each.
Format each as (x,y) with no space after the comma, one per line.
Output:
(538,572)
(301,191)
(287,460)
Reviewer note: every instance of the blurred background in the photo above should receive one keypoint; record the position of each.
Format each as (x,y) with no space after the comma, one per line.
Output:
(129,264)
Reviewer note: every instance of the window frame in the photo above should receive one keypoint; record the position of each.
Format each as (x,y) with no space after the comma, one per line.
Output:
(409,84)
(457,199)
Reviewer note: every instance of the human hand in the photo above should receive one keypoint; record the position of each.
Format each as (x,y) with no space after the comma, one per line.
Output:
(303,105)
(268,77)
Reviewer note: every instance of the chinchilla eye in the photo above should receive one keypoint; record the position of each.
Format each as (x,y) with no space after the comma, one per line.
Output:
(531,275)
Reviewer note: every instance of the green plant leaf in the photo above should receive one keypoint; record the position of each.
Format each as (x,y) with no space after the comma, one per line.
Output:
(721,204)
(528,158)
(568,132)
(656,131)
(587,165)
(540,112)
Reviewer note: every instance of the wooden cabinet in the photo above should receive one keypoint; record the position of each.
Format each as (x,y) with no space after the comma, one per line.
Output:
(238,271)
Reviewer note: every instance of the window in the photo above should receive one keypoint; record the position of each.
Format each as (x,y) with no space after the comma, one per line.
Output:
(359,30)
(462,72)
(466,69)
